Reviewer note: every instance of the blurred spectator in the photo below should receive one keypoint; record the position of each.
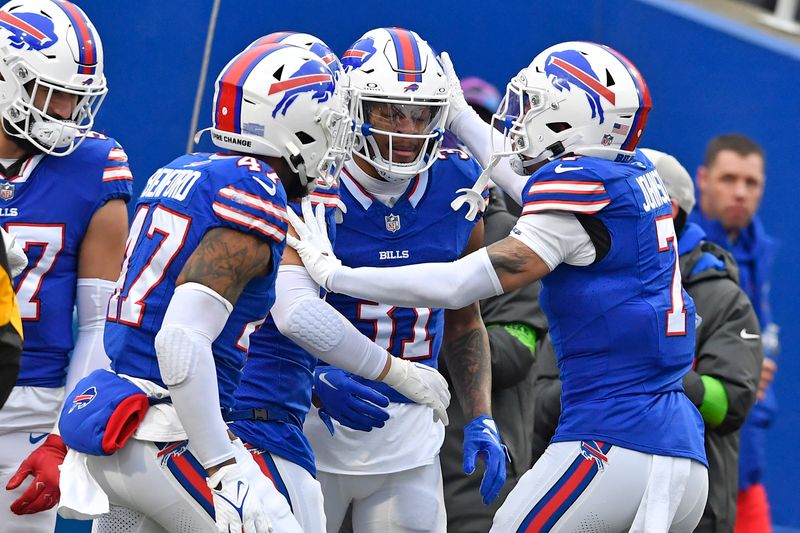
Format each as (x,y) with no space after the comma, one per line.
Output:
(514,321)
(10,329)
(731,184)
(728,353)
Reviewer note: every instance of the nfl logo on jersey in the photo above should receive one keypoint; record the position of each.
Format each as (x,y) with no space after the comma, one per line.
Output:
(7,191)
(392,222)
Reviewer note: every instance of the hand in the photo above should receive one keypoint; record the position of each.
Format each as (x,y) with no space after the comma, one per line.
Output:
(474,195)
(347,401)
(312,244)
(421,383)
(237,506)
(481,439)
(17,260)
(42,463)
(456,95)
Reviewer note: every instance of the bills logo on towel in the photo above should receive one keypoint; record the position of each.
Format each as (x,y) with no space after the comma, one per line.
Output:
(83,399)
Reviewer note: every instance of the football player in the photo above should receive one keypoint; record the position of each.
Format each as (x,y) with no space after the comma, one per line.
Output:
(274,396)
(597,229)
(199,273)
(397,191)
(63,191)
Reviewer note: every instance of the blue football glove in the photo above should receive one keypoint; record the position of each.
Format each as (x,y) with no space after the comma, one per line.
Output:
(482,439)
(347,401)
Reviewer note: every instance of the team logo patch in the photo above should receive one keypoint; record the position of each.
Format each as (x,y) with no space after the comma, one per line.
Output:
(83,399)
(28,29)
(568,69)
(7,191)
(590,450)
(392,222)
(607,140)
(311,78)
(413,87)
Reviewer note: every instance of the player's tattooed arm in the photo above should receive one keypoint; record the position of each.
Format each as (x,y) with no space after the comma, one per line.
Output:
(225,261)
(516,265)
(468,359)
(466,349)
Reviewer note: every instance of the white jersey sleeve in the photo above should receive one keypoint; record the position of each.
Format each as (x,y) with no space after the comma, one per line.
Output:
(556,237)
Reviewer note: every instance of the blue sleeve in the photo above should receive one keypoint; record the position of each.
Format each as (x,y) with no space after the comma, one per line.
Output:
(117,177)
(253,205)
(565,188)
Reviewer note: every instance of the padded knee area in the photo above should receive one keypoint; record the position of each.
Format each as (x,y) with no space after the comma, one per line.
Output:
(315,323)
(175,349)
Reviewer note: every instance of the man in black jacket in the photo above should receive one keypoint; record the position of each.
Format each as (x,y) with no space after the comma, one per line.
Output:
(513,321)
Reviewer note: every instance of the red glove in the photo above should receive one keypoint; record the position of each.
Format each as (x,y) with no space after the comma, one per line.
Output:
(43,463)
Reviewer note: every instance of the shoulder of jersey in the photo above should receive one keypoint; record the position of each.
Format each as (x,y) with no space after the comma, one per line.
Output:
(96,146)
(458,164)
(224,169)
(568,169)
(567,184)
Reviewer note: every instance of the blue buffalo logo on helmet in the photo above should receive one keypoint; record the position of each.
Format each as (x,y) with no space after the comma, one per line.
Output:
(358,54)
(570,68)
(311,77)
(28,29)
(83,399)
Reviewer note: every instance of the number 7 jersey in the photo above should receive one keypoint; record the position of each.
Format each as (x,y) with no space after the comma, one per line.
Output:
(180,203)
(623,328)
(48,208)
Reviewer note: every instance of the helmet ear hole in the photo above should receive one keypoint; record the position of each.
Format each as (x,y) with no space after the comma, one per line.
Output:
(557,127)
(304,137)
(609,79)
(278,74)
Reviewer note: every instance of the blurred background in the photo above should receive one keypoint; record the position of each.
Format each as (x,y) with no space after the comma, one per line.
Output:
(712,66)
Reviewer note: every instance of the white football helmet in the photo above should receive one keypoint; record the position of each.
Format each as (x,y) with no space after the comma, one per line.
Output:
(282,101)
(303,40)
(401,93)
(49,47)
(574,97)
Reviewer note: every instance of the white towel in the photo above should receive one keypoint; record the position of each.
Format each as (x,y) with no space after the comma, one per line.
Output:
(82,498)
(665,488)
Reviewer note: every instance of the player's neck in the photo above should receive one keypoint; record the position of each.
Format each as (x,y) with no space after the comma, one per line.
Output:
(374,185)
(9,149)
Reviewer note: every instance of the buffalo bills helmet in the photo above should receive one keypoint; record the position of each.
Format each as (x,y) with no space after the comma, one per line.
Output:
(49,49)
(303,40)
(574,97)
(401,95)
(283,101)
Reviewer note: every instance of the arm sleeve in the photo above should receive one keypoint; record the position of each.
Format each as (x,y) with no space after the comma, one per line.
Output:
(477,135)
(449,285)
(196,315)
(117,177)
(722,353)
(301,315)
(556,237)
(89,353)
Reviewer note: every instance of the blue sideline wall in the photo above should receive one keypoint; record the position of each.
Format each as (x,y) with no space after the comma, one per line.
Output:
(707,76)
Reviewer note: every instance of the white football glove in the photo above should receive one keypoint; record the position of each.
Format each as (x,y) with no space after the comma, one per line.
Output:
(458,103)
(17,260)
(474,195)
(312,244)
(237,507)
(423,384)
